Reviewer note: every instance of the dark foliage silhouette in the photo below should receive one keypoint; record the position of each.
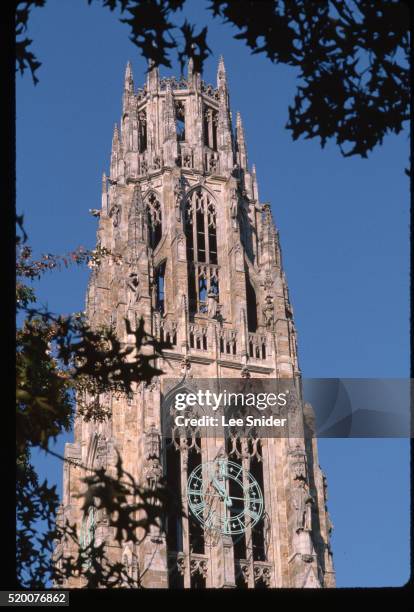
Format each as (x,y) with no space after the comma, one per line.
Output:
(351,57)
(60,361)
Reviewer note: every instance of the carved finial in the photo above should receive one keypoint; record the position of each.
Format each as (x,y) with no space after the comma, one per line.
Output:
(190,69)
(129,80)
(115,137)
(170,130)
(241,143)
(221,73)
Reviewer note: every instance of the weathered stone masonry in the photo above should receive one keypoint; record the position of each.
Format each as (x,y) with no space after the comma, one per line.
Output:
(200,261)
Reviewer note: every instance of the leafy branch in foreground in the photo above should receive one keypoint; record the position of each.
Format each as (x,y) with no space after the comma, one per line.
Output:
(133,511)
(61,361)
(352,57)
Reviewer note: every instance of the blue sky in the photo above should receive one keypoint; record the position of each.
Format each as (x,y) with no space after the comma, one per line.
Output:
(344,230)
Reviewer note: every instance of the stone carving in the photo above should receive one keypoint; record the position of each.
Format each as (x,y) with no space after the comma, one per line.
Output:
(268,312)
(115,214)
(178,197)
(198,566)
(234,206)
(268,282)
(187,161)
(245,372)
(133,289)
(239,259)
(262,572)
(212,163)
(157,163)
(181,564)
(181,247)
(212,303)
(152,469)
(303,501)
(222,200)
(245,571)
(185,364)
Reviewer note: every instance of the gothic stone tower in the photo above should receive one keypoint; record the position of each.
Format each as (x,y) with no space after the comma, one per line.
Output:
(200,261)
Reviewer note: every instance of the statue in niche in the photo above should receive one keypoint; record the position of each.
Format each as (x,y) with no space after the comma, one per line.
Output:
(187,161)
(288,309)
(115,214)
(181,248)
(178,196)
(212,304)
(133,289)
(234,208)
(268,312)
(303,501)
(152,468)
(212,163)
(239,259)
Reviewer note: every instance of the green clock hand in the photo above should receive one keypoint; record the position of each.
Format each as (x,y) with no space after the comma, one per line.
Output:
(222,491)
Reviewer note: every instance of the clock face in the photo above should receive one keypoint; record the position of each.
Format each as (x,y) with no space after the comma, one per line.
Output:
(224,497)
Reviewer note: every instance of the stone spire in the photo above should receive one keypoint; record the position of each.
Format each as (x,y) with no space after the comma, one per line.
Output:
(115,153)
(169,115)
(153,77)
(255,184)
(128,94)
(104,194)
(221,74)
(224,130)
(170,128)
(241,143)
(190,69)
(129,80)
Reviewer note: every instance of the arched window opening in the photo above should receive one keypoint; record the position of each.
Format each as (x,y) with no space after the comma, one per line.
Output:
(142,131)
(160,288)
(210,120)
(251,307)
(246,233)
(206,127)
(258,532)
(176,579)
(174,527)
(180,121)
(201,239)
(239,540)
(198,581)
(241,582)
(195,528)
(154,220)
(202,293)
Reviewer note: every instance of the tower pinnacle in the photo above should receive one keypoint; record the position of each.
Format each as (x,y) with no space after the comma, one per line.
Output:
(241,143)
(221,73)
(129,80)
